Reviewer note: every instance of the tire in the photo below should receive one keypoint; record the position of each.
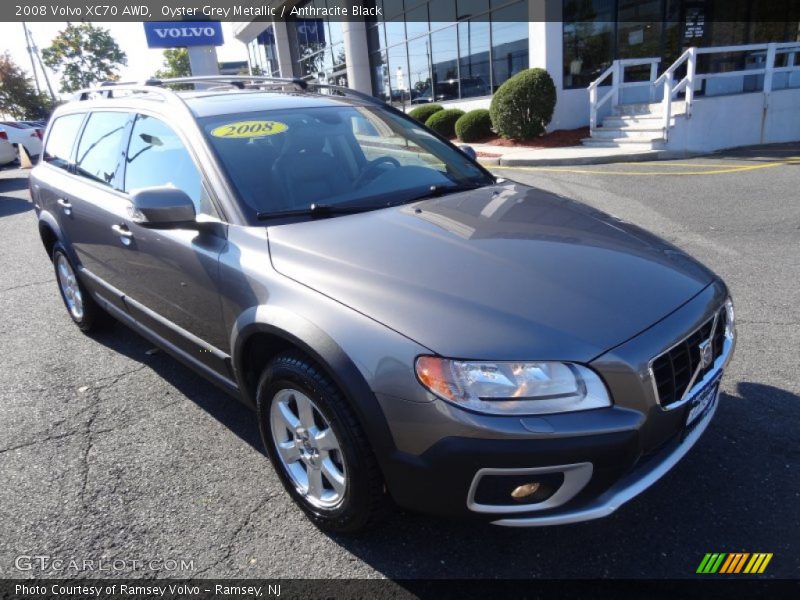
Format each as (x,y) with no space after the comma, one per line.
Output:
(287,383)
(81,307)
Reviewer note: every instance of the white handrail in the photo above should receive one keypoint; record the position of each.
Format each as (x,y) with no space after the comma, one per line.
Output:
(605,74)
(687,85)
(617,73)
(671,69)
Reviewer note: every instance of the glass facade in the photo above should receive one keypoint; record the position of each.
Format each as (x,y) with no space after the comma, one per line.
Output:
(437,50)
(263,55)
(598,31)
(318,46)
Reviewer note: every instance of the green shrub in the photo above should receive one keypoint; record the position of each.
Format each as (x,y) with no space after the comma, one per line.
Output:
(443,122)
(424,112)
(523,106)
(474,126)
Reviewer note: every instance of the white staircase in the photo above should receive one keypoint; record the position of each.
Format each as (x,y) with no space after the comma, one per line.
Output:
(649,125)
(633,127)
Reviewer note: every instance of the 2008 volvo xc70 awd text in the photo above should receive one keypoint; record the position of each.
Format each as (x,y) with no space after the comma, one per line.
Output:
(409,329)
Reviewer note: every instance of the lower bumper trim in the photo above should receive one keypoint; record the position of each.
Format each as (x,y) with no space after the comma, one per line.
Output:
(625,490)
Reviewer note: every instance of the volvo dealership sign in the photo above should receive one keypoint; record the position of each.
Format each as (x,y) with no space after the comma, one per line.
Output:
(177,34)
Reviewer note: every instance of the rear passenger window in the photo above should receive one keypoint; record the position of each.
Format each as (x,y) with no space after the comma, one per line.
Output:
(61,140)
(99,153)
(157,157)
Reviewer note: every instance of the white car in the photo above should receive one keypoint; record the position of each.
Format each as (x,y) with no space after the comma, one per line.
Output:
(7,152)
(30,137)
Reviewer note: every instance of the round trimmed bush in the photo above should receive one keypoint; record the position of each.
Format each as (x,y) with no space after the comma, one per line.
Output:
(444,121)
(523,106)
(474,126)
(424,112)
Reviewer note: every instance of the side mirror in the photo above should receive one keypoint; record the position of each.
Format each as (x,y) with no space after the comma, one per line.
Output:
(469,151)
(162,208)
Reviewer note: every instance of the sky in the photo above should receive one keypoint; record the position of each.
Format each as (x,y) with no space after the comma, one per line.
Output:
(142,61)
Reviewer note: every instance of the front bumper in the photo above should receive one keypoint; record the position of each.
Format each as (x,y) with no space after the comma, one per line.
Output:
(624,490)
(603,458)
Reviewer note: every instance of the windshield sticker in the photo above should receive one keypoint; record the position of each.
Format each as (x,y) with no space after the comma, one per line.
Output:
(249,129)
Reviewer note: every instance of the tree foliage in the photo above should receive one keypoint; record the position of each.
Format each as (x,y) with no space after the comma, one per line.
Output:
(18,96)
(443,122)
(523,106)
(176,64)
(474,126)
(423,112)
(83,55)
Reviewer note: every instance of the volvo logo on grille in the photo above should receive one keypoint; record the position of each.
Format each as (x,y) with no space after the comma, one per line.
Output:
(706,354)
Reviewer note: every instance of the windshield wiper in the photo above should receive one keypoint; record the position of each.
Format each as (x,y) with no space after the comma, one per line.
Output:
(440,190)
(315,210)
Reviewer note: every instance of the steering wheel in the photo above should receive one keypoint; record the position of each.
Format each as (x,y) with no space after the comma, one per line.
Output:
(367,173)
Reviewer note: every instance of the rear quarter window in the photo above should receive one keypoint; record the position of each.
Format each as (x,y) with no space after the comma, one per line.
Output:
(61,140)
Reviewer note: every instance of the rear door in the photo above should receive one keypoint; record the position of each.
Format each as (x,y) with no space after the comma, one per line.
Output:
(89,202)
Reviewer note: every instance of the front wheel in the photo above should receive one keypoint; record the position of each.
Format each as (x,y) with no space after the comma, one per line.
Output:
(317,446)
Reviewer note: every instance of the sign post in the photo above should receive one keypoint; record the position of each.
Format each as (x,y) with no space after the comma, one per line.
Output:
(200,38)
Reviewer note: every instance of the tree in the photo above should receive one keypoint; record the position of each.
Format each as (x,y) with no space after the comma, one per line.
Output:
(18,97)
(176,64)
(83,54)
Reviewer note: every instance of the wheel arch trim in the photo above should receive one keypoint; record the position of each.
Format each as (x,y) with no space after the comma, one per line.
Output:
(320,347)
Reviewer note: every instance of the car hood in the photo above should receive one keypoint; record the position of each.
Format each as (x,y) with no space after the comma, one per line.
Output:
(505,272)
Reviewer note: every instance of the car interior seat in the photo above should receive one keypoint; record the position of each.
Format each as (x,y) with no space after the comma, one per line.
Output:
(308,170)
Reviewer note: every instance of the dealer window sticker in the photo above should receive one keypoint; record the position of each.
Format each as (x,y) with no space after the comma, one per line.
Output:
(249,129)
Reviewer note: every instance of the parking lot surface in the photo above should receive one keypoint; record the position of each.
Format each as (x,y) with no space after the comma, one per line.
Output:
(109,450)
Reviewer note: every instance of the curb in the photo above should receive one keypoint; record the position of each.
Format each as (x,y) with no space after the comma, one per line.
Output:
(647,155)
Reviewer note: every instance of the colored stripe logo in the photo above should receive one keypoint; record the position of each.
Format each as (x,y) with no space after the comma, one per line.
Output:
(734,563)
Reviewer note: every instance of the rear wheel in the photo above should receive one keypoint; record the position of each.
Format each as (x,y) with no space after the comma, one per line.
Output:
(81,307)
(317,446)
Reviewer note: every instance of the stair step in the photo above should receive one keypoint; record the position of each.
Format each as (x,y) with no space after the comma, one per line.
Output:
(646,108)
(634,133)
(645,123)
(627,143)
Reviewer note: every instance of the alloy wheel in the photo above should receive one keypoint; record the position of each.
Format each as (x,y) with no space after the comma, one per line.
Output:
(68,282)
(308,448)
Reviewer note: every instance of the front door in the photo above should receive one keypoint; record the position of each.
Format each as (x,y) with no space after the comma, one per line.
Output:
(171,275)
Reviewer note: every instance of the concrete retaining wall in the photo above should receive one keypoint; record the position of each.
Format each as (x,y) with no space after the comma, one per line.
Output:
(738,120)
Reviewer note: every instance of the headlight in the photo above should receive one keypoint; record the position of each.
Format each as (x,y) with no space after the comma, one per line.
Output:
(513,387)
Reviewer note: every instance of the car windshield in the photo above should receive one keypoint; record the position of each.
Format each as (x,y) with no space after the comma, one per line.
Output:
(285,161)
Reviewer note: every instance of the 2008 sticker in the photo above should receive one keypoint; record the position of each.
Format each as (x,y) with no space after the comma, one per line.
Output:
(249,129)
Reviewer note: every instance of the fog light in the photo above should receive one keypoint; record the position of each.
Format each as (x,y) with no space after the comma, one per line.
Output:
(525,491)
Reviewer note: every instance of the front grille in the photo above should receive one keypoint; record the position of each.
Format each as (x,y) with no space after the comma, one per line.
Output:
(673,370)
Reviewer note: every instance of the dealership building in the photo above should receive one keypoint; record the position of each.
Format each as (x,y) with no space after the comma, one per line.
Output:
(458,52)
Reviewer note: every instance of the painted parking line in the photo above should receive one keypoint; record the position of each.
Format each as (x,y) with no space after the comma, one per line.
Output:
(705,169)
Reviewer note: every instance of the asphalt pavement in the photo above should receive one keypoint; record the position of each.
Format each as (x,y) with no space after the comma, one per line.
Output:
(108,450)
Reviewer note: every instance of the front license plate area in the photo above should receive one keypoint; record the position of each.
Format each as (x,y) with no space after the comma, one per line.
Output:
(702,403)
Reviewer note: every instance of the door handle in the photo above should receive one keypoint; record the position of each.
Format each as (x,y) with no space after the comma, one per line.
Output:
(123,232)
(65,205)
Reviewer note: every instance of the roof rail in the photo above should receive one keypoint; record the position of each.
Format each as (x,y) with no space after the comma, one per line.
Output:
(239,81)
(107,90)
(345,91)
(159,86)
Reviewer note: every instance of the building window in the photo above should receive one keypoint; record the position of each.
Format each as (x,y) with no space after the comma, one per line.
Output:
(438,50)
(588,40)
(473,50)
(318,47)
(598,31)
(264,55)
(509,42)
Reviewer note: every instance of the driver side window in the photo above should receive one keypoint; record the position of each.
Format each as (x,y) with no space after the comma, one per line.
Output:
(157,157)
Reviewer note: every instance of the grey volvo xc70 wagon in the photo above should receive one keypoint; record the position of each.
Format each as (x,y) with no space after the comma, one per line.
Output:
(408,328)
